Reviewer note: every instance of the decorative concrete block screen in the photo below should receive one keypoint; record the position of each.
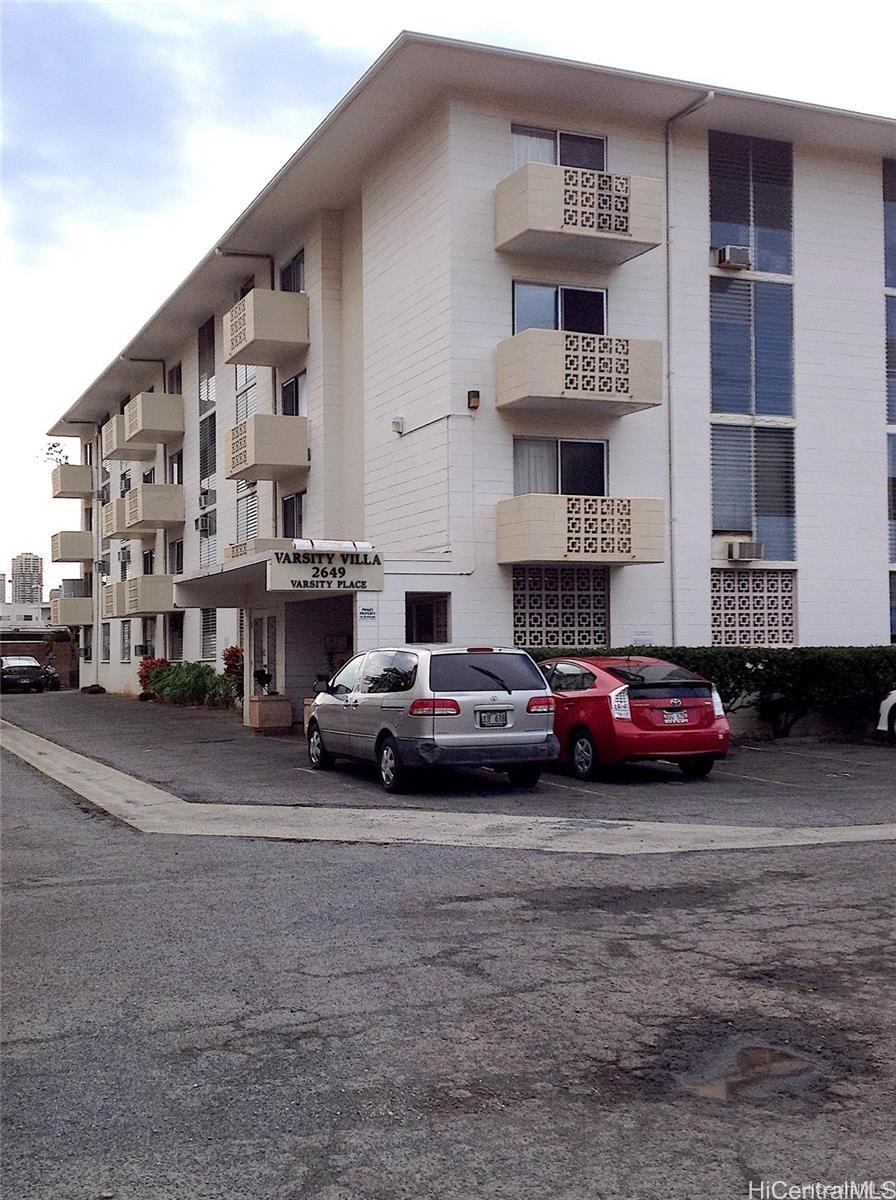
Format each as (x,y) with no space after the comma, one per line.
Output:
(594,200)
(598,525)
(753,608)
(593,363)
(561,606)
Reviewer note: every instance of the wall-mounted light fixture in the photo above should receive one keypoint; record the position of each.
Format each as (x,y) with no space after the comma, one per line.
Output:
(398,425)
(473,400)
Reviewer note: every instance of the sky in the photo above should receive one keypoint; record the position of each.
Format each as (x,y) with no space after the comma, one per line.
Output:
(137,130)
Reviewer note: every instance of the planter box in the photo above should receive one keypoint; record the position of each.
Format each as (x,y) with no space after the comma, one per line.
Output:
(270,714)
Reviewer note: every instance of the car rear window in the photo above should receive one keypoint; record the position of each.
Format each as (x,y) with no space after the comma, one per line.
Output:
(20,662)
(484,673)
(660,681)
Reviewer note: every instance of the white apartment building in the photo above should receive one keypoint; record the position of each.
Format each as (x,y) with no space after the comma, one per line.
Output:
(576,356)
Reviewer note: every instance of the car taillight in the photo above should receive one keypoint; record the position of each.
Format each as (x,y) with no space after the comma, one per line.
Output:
(619,705)
(541,704)
(718,708)
(438,706)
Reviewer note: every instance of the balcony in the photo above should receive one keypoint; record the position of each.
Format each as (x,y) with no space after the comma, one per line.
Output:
(113,601)
(116,446)
(256,546)
(571,212)
(74,545)
(268,447)
(600,530)
(71,610)
(554,371)
(154,417)
(113,519)
(266,328)
(146,595)
(72,481)
(152,506)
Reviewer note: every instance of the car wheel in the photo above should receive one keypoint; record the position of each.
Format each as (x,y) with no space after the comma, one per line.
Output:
(583,756)
(321,758)
(393,772)
(524,777)
(891,724)
(38,687)
(697,767)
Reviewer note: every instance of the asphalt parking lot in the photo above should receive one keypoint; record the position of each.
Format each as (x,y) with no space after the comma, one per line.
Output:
(210,758)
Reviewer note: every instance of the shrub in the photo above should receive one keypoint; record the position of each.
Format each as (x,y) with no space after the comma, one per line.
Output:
(233,668)
(184,683)
(146,668)
(844,683)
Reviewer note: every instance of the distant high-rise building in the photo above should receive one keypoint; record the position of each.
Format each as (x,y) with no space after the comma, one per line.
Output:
(27,579)
(2,589)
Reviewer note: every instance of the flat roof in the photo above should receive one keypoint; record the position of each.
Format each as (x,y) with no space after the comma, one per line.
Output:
(407,78)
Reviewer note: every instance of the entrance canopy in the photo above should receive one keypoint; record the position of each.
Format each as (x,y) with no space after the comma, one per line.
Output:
(300,568)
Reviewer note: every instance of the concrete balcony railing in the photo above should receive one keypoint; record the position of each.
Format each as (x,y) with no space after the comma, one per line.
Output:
(609,530)
(554,371)
(154,417)
(112,602)
(152,506)
(146,595)
(74,545)
(71,610)
(72,481)
(113,519)
(256,546)
(266,328)
(571,212)
(115,444)
(265,446)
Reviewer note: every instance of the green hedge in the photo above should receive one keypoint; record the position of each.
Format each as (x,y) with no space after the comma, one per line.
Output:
(843,683)
(192,683)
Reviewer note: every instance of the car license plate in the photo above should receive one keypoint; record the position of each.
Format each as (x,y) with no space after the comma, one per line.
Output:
(675,718)
(491,720)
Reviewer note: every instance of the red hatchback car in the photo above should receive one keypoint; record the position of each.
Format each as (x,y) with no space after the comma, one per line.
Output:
(613,709)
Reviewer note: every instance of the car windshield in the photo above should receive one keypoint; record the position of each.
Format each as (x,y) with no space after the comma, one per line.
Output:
(636,674)
(20,661)
(471,672)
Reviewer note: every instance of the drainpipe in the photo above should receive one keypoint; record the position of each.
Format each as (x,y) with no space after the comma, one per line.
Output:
(685,112)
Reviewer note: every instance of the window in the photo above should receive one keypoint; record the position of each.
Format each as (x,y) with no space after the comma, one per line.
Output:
(124,483)
(569,677)
(206,366)
(891,359)
(292,515)
(87,643)
(891,492)
(174,380)
(208,633)
(175,623)
(890,222)
(176,467)
(543,306)
(426,617)
(475,672)
(344,680)
(148,636)
(246,391)
(294,396)
(105,642)
(125,641)
(176,557)
(149,562)
(388,671)
(751,347)
(753,487)
(292,275)
(751,198)
(208,539)
(87,454)
(570,468)
(208,451)
(552,146)
(246,517)
(87,517)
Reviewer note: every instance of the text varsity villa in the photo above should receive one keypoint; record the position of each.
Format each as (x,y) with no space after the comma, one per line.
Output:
(512,351)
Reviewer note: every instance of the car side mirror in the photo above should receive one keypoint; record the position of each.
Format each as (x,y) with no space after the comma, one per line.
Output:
(320,685)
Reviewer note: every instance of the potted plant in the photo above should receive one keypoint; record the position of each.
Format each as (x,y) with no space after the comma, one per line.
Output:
(269,712)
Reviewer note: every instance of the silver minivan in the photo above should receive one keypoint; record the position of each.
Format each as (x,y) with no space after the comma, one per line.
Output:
(410,707)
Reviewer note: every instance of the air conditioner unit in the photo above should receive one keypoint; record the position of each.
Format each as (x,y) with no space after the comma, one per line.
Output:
(735,258)
(101,567)
(141,651)
(207,497)
(101,496)
(124,556)
(744,551)
(203,524)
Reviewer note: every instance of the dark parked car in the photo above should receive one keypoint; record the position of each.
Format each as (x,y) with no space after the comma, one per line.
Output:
(22,673)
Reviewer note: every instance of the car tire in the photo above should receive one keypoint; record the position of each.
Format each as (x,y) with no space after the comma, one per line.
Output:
(525,776)
(38,687)
(584,759)
(394,775)
(891,725)
(320,758)
(697,767)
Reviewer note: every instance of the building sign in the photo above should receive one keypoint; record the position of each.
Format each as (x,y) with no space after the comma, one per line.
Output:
(366,612)
(305,571)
